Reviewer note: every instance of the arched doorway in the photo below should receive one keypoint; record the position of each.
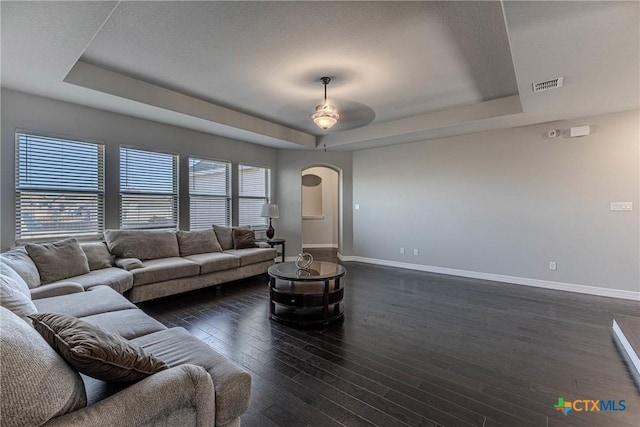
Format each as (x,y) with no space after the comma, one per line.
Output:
(321,212)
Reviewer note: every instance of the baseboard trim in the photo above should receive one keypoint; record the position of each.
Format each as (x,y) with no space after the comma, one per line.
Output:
(320,246)
(524,281)
(627,351)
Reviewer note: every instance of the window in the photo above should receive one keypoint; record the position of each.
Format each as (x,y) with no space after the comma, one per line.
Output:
(148,189)
(253,187)
(209,193)
(59,188)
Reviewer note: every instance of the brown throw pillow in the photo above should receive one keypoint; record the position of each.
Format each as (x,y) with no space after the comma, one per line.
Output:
(225,235)
(243,238)
(94,351)
(58,260)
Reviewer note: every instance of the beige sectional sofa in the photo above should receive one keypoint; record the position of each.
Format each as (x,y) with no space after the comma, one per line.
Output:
(87,280)
(201,387)
(144,265)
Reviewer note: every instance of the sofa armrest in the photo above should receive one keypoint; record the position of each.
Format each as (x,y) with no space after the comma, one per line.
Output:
(263,245)
(182,395)
(128,263)
(56,289)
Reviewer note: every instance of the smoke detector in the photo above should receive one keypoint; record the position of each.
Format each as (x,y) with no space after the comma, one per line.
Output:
(548,84)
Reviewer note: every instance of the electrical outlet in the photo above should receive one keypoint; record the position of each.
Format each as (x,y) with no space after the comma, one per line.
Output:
(415,252)
(553,265)
(401,250)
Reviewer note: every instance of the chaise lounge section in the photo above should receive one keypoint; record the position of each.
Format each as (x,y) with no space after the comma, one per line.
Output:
(86,281)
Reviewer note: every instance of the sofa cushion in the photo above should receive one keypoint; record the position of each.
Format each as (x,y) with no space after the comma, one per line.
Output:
(128,324)
(58,260)
(213,262)
(243,238)
(159,270)
(225,235)
(197,242)
(6,270)
(94,351)
(98,255)
(232,384)
(56,289)
(36,384)
(98,299)
(253,255)
(15,296)
(142,244)
(18,259)
(118,279)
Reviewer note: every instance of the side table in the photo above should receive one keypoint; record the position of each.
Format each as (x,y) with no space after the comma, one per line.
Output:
(276,242)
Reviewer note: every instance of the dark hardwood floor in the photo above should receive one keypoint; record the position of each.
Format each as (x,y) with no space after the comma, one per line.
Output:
(419,349)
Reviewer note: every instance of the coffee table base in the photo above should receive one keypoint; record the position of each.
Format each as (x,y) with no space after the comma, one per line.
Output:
(307,317)
(306,297)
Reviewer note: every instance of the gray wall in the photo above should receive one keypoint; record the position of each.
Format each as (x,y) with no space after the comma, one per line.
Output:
(22,111)
(289,169)
(323,232)
(503,202)
(507,202)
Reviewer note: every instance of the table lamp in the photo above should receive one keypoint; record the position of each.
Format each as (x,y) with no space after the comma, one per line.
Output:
(270,211)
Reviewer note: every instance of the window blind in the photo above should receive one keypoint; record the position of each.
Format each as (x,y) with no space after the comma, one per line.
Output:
(209,193)
(148,189)
(59,188)
(253,187)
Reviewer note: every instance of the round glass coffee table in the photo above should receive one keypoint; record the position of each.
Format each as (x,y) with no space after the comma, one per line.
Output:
(306,297)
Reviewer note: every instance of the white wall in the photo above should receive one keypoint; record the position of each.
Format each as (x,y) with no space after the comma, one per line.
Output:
(507,203)
(322,232)
(28,112)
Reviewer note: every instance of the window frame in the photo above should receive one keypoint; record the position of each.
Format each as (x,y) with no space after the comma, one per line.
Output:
(228,197)
(266,198)
(19,189)
(175,194)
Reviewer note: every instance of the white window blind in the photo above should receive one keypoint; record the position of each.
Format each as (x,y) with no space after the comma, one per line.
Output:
(148,189)
(59,188)
(253,188)
(209,193)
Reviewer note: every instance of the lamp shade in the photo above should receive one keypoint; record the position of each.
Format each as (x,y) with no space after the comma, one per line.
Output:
(270,211)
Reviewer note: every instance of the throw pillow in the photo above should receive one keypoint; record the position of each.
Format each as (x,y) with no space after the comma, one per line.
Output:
(15,296)
(19,261)
(94,351)
(58,260)
(198,242)
(37,384)
(243,239)
(225,235)
(6,270)
(142,244)
(98,255)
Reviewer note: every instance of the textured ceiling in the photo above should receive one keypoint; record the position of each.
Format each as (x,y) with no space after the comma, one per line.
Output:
(402,71)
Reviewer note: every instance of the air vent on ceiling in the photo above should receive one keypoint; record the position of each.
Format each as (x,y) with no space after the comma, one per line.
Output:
(547,84)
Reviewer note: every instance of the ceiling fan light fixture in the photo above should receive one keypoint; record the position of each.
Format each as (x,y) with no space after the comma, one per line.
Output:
(326,115)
